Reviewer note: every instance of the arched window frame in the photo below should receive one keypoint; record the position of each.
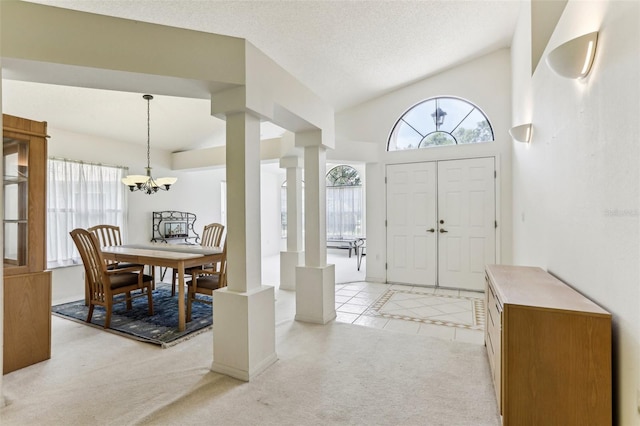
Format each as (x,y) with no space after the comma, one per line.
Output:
(426,120)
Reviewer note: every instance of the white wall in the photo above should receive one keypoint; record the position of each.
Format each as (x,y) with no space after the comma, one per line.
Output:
(577,186)
(486,82)
(196,191)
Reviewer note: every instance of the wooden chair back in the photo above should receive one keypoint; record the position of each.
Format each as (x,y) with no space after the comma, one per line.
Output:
(107,236)
(95,265)
(212,235)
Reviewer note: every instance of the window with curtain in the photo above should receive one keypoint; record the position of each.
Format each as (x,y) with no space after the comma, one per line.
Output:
(80,195)
(344,203)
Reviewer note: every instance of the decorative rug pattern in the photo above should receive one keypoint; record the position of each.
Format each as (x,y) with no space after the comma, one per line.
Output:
(161,328)
(439,309)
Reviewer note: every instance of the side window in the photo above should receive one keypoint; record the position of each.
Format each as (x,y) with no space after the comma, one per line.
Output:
(344,203)
(439,122)
(80,195)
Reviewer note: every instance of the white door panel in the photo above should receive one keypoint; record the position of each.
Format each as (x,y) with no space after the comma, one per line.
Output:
(456,197)
(411,211)
(466,210)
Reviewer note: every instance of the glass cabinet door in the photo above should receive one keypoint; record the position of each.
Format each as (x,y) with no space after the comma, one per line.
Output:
(16,208)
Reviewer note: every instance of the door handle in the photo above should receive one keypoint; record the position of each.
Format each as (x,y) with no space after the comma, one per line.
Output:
(431,230)
(442,231)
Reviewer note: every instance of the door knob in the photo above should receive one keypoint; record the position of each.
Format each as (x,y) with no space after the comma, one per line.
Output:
(431,230)
(441,221)
(442,231)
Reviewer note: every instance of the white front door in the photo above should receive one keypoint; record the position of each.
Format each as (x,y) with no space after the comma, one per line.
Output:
(466,222)
(441,222)
(411,223)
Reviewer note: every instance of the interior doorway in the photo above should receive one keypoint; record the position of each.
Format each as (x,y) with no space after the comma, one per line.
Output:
(441,226)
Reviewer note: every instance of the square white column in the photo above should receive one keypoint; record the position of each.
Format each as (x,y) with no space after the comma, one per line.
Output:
(289,261)
(315,203)
(244,332)
(244,311)
(294,256)
(316,294)
(315,281)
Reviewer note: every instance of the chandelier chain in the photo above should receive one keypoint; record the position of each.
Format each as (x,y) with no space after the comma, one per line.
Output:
(148,132)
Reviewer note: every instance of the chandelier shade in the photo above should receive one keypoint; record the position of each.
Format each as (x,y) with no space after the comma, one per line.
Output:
(146,183)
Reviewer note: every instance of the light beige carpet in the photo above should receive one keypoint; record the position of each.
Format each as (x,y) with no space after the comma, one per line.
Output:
(337,374)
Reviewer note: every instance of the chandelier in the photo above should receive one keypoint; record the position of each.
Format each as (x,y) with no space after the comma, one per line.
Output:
(147,183)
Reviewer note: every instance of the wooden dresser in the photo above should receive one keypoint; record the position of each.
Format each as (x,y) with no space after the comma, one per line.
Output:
(549,350)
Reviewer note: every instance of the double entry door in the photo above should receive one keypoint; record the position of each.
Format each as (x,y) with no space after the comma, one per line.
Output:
(441,222)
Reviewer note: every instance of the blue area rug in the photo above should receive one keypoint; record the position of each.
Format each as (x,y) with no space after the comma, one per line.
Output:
(161,328)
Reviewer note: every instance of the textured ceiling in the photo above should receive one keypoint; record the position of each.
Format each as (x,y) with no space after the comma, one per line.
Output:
(345,51)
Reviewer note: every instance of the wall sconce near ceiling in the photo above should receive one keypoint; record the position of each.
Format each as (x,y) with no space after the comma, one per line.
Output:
(521,133)
(574,58)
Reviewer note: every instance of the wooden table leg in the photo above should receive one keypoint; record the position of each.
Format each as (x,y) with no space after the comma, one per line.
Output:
(181,316)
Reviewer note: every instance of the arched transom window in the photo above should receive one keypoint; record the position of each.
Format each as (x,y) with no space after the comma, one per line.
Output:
(439,122)
(343,176)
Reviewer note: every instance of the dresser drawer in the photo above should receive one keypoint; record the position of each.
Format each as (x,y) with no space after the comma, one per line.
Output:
(493,338)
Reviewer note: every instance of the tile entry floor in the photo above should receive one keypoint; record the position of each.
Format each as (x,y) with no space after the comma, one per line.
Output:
(443,313)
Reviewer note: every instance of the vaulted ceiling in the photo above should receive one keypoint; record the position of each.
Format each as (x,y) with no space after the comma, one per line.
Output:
(347,52)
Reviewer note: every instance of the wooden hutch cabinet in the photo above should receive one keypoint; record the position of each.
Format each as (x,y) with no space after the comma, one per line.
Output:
(27,283)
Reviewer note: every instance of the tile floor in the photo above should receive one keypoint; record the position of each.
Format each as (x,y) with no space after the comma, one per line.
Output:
(442,313)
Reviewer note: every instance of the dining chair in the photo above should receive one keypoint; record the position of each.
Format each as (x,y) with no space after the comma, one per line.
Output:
(361,250)
(105,283)
(109,236)
(211,237)
(206,281)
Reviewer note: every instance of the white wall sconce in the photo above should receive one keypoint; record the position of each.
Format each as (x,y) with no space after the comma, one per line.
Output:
(574,58)
(521,133)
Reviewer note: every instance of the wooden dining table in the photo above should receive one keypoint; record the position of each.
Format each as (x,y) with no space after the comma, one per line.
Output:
(165,255)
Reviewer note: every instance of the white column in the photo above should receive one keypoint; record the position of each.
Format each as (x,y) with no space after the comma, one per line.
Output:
(315,281)
(244,312)
(294,255)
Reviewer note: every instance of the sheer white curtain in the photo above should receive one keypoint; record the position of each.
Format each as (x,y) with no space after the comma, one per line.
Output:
(344,212)
(80,195)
